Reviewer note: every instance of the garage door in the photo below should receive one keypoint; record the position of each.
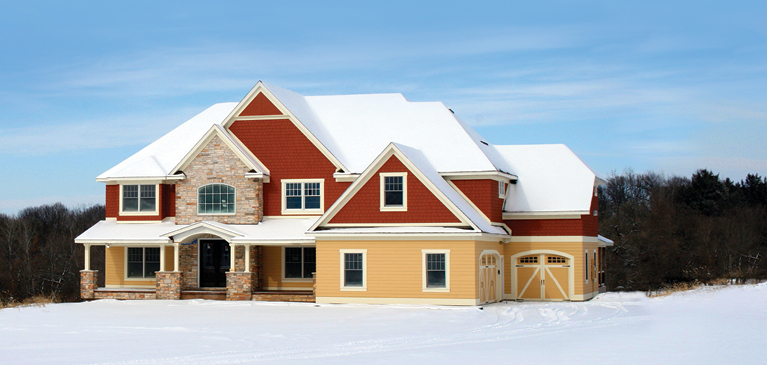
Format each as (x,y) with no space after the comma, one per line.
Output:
(542,276)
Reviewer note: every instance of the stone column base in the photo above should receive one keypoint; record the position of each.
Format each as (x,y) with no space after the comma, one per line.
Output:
(169,285)
(88,283)
(239,285)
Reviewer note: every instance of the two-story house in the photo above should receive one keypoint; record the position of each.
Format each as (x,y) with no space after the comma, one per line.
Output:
(345,199)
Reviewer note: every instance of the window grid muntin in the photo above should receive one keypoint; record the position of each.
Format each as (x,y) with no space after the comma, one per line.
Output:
(528,260)
(556,260)
(436,273)
(353,270)
(393,191)
(216,199)
(303,196)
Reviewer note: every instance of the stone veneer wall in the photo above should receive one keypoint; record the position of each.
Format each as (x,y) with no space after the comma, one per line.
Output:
(125,294)
(216,163)
(239,285)
(88,283)
(187,264)
(168,285)
(284,297)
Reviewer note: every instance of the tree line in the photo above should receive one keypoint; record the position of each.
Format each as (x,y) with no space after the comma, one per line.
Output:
(675,229)
(38,255)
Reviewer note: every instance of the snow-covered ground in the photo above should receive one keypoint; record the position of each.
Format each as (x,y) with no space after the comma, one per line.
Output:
(710,326)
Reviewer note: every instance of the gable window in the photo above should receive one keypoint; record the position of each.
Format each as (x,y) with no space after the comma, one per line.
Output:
(353,270)
(501,189)
(393,191)
(143,262)
(300,262)
(215,199)
(302,196)
(436,270)
(138,199)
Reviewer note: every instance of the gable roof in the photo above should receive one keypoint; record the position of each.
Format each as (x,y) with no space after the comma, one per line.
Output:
(552,179)
(159,158)
(421,167)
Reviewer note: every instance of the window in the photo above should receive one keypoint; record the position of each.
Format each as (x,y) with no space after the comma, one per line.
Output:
(586,264)
(138,198)
(393,191)
(302,196)
(556,260)
(436,270)
(528,260)
(353,270)
(501,189)
(300,262)
(215,199)
(143,262)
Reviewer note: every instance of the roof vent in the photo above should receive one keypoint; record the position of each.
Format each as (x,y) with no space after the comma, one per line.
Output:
(451,110)
(484,143)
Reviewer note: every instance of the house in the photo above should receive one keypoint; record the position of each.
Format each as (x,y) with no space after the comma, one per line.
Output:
(345,199)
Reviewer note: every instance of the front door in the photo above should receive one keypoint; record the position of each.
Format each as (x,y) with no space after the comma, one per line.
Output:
(489,278)
(214,263)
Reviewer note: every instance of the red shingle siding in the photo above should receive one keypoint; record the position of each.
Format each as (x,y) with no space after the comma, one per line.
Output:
(546,227)
(112,201)
(168,201)
(288,154)
(422,205)
(484,194)
(260,106)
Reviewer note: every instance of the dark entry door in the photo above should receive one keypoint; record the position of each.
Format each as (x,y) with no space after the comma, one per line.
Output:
(214,263)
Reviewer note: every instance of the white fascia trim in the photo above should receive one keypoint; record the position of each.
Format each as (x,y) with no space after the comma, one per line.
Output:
(549,239)
(203,227)
(125,242)
(261,88)
(604,241)
(389,151)
(479,175)
(345,177)
(570,214)
(308,242)
(352,236)
(143,179)
(420,301)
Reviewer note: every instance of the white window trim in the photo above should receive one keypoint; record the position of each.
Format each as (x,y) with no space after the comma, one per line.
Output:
(156,200)
(501,190)
(301,280)
(198,199)
(446,289)
(286,211)
(382,190)
(125,261)
(364,286)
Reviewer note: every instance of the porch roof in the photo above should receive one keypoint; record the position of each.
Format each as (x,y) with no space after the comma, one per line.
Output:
(270,231)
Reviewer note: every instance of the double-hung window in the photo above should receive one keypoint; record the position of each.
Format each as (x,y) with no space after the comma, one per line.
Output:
(215,199)
(302,196)
(300,262)
(138,199)
(436,270)
(353,270)
(143,262)
(393,191)
(501,189)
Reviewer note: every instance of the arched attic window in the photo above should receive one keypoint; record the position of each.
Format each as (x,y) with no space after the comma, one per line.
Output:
(215,199)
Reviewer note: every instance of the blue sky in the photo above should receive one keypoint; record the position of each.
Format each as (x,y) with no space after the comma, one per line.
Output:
(665,86)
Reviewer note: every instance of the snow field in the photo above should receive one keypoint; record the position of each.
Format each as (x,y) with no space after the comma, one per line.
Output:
(705,326)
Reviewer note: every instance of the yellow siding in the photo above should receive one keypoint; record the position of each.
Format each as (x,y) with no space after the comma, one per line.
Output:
(395,269)
(576,249)
(115,268)
(272,271)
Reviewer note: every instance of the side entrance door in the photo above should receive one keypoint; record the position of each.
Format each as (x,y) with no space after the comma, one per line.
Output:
(543,277)
(489,278)
(214,263)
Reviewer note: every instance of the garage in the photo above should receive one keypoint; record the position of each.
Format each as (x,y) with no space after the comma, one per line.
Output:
(542,275)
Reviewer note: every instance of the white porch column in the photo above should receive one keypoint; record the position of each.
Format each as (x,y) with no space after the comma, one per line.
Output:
(231,257)
(87,247)
(175,255)
(247,258)
(162,257)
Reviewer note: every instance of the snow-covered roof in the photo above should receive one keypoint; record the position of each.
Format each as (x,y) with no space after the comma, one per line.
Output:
(269,230)
(551,179)
(161,156)
(356,128)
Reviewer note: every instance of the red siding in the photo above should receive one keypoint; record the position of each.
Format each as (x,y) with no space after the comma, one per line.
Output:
(260,106)
(422,205)
(112,201)
(484,194)
(548,227)
(288,154)
(169,201)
